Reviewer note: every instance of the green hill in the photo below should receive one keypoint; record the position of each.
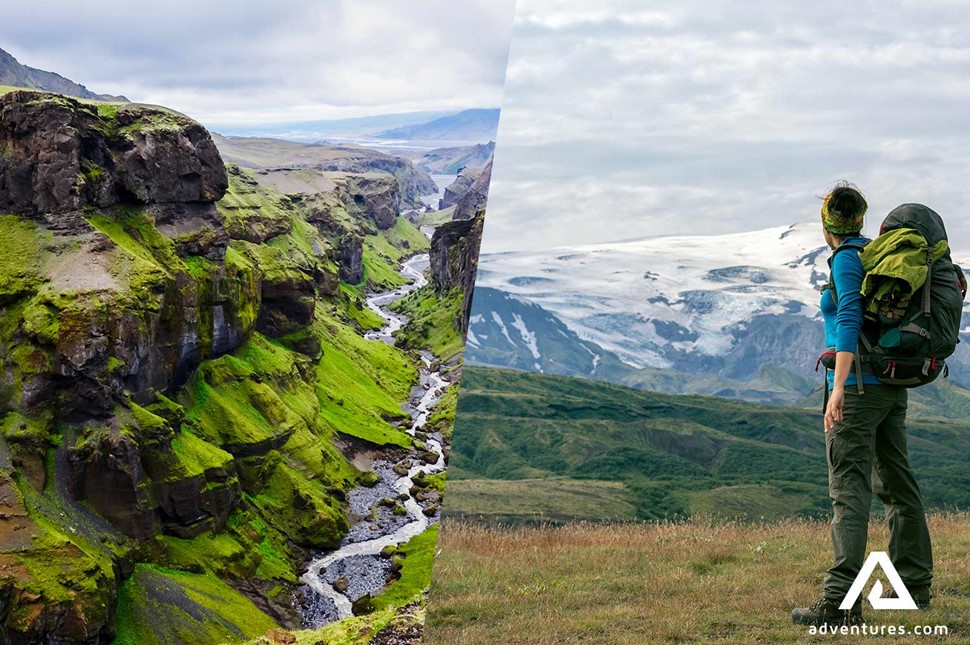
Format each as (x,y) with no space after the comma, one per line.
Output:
(671,455)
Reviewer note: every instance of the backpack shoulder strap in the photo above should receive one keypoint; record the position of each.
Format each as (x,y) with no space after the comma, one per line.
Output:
(858,246)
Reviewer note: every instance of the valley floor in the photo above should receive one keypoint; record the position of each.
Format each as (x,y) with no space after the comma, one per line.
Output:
(690,582)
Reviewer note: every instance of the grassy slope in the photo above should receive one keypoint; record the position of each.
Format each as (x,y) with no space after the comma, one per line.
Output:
(675,455)
(158,605)
(431,323)
(694,582)
(384,251)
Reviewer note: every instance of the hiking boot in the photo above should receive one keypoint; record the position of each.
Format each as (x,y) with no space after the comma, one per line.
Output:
(921,596)
(824,612)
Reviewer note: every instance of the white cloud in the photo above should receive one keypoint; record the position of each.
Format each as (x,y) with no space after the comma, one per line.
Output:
(717,116)
(256,62)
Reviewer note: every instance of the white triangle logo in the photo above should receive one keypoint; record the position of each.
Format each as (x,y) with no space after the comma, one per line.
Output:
(902,601)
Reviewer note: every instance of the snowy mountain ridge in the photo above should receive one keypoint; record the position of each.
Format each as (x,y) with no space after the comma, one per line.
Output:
(693,294)
(721,304)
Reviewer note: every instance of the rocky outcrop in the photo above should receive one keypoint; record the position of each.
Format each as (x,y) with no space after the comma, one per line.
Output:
(58,156)
(473,201)
(450,161)
(373,196)
(352,259)
(288,300)
(145,475)
(413,182)
(458,188)
(118,194)
(454,260)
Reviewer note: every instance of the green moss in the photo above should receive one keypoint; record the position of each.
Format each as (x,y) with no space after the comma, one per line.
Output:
(358,630)
(442,418)
(163,606)
(147,420)
(138,122)
(264,393)
(198,455)
(384,251)
(355,308)
(253,212)
(407,237)
(62,566)
(243,288)
(230,408)
(61,573)
(247,548)
(108,110)
(436,481)
(115,364)
(38,429)
(361,384)
(278,261)
(302,509)
(432,321)
(149,261)
(20,257)
(313,244)
(416,557)
(91,172)
(131,229)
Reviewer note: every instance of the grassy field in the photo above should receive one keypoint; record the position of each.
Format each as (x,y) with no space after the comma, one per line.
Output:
(692,582)
(538,501)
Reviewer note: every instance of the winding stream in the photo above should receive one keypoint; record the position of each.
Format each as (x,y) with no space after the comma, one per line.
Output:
(356,556)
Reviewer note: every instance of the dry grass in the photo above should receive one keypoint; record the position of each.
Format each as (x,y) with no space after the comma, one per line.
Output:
(693,582)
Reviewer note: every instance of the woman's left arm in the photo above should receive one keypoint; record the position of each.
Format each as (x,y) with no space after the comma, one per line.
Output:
(847,273)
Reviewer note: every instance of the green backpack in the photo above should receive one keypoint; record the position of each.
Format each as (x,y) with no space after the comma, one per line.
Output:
(909,333)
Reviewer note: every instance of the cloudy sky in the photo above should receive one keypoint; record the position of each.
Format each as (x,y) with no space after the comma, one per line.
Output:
(637,119)
(252,62)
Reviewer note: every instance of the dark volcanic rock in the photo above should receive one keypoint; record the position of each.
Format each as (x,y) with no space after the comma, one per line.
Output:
(459,188)
(454,260)
(473,201)
(374,196)
(58,155)
(413,182)
(352,258)
(289,299)
(110,476)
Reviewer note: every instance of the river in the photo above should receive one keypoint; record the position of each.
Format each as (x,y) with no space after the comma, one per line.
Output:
(358,564)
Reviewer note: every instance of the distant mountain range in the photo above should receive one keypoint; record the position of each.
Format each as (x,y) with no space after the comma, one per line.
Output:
(452,129)
(14,74)
(728,315)
(472,126)
(323,128)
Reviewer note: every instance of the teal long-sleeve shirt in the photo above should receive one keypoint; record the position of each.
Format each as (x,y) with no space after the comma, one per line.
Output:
(843,323)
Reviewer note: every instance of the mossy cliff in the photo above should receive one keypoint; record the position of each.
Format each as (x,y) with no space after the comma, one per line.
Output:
(439,313)
(180,346)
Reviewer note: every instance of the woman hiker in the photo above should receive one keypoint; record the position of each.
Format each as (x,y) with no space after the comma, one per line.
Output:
(865,435)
